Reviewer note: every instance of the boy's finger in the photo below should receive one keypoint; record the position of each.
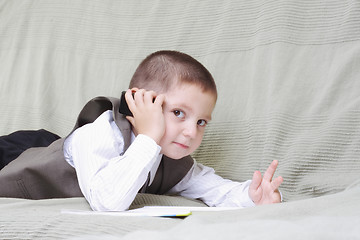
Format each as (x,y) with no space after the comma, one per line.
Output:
(160,99)
(129,100)
(268,175)
(140,98)
(277,182)
(149,96)
(256,181)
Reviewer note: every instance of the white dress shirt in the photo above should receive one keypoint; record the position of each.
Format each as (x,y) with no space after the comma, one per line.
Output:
(110,176)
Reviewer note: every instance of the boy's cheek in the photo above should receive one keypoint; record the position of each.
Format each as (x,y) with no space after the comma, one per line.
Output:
(196,144)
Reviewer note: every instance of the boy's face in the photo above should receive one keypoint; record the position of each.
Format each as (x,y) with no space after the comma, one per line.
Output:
(187,110)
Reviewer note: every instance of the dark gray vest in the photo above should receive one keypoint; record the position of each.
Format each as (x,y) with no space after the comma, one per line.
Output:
(42,173)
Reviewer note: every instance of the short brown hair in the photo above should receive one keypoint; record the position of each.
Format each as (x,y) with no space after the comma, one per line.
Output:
(161,70)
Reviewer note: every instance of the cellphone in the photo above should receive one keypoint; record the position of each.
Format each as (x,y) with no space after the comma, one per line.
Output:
(124,108)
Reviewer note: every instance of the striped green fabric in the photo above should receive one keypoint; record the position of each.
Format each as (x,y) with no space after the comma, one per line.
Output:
(287,74)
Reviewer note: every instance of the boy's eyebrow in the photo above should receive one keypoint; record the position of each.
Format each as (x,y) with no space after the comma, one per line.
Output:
(209,118)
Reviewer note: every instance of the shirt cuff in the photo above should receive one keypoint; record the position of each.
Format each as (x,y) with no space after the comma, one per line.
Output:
(143,148)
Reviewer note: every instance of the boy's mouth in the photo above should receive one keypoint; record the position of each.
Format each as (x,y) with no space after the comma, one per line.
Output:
(182,145)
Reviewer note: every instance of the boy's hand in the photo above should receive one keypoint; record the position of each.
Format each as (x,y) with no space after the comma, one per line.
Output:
(148,117)
(265,190)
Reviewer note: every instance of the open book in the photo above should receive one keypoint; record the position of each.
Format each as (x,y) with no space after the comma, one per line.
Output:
(152,211)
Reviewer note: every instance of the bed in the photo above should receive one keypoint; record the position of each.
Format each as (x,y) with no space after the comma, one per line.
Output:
(288,80)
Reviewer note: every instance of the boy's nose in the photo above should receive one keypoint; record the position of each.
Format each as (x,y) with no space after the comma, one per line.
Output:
(190,130)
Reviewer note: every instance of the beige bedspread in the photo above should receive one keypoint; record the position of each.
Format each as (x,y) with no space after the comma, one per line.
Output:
(329,217)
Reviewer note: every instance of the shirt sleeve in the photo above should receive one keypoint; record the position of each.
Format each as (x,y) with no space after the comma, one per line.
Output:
(109,180)
(202,183)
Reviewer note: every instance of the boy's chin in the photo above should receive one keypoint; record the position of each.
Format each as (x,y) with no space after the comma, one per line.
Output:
(175,156)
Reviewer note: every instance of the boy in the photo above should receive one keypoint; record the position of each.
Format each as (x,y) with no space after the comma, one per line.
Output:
(117,157)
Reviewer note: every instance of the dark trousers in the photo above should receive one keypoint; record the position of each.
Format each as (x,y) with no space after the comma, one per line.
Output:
(12,145)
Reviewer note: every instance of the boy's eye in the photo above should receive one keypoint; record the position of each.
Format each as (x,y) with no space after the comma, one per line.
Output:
(201,122)
(179,114)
